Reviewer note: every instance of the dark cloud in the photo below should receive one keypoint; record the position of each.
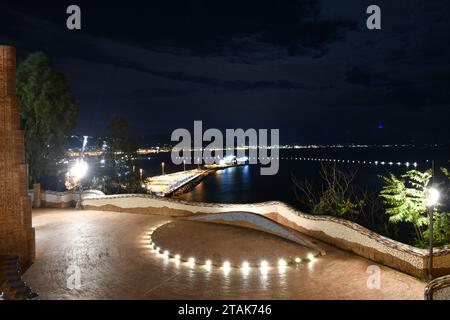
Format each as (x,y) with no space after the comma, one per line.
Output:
(309,67)
(366,78)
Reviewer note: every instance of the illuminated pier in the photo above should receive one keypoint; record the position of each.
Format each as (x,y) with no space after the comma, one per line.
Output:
(165,185)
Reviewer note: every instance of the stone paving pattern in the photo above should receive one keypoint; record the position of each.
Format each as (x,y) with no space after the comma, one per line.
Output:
(112,252)
(219,243)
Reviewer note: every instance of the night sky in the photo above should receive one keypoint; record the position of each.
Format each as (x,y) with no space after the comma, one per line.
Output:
(310,68)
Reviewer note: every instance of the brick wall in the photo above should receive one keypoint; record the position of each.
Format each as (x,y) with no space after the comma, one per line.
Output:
(16,232)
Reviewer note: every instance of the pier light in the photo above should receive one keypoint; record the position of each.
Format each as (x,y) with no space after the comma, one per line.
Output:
(298,260)
(310,257)
(242,159)
(177,257)
(162,168)
(191,261)
(166,253)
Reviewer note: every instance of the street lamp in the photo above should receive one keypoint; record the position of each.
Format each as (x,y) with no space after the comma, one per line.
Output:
(432,198)
(162,168)
(79,171)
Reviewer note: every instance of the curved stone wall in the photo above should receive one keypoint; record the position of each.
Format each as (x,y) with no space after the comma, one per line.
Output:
(258,222)
(53,199)
(338,232)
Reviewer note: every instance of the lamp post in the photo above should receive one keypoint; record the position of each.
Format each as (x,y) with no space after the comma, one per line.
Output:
(162,168)
(432,199)
(79,171)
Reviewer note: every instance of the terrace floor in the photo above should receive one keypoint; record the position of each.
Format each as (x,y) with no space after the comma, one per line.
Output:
(107,255)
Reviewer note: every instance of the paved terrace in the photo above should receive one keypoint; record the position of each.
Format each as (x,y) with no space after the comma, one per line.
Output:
(115,262)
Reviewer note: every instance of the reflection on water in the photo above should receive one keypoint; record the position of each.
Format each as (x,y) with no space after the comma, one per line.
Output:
(246,185)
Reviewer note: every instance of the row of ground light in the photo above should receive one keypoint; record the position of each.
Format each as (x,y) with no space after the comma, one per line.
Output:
(226,266)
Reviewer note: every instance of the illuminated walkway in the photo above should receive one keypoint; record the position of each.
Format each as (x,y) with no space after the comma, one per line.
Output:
(111,252)
(166,184)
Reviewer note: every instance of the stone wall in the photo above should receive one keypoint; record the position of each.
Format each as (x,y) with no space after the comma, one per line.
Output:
(16,232)
(338,232)
(53,199)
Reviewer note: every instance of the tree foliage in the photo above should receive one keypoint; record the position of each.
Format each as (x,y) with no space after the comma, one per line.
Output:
(48,112)
(121,175)
(405,199)
(338,196)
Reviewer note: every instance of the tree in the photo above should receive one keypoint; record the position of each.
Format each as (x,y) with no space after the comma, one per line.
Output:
(121,152)
(406,201)
(48,112)
(338,196)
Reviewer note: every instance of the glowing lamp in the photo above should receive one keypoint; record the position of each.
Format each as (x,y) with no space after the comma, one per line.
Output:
(433,196)
(79,169)
(226,266)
